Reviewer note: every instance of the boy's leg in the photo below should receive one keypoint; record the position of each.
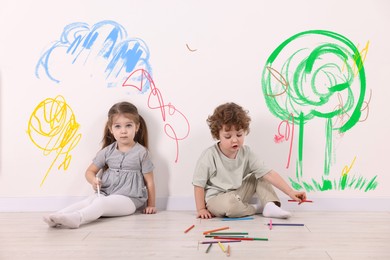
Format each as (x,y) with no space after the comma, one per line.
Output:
(269,201)
(266,193)
(235,203)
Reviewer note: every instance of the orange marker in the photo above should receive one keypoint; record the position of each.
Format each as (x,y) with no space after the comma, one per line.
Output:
(214,230)
(228,251)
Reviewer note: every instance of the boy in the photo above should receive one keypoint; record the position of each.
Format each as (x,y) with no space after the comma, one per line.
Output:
(228,174)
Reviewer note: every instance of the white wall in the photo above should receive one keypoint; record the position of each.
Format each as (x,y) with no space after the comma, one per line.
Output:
(201,54)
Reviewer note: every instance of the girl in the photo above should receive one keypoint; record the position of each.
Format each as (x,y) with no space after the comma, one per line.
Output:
(228,174)
(126,182)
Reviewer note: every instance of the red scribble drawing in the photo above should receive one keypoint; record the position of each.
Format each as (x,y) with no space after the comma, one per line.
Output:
(169,113)
(281,137)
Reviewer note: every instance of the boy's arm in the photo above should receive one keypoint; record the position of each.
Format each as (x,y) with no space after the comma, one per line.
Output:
(201,209)
(276,180)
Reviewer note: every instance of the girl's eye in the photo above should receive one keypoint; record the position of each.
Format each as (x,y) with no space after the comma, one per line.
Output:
(129,125)
(117,126)
(227,137)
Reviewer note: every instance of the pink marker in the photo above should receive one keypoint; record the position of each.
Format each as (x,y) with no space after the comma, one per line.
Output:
(270,224)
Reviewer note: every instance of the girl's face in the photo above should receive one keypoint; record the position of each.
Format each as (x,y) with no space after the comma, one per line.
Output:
(231,141)
(123,129)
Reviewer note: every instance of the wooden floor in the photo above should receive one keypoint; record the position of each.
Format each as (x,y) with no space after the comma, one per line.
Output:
(325,235)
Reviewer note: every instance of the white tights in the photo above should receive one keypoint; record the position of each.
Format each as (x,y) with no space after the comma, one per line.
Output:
(91,209)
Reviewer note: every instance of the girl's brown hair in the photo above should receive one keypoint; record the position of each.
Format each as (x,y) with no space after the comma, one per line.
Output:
(125,108)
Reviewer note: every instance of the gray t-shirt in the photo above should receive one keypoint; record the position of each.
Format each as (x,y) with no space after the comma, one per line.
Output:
(217,173)
(124,175)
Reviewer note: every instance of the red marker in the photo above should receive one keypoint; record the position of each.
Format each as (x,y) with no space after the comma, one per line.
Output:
(188,229)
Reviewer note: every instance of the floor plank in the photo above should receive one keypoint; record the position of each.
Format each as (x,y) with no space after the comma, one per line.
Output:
(325,235)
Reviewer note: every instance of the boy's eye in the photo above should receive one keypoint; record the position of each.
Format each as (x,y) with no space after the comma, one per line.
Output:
(227,137)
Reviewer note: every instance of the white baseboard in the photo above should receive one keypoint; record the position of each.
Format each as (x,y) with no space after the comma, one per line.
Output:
(42,204)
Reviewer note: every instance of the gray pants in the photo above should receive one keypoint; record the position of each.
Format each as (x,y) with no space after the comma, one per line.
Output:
(235,203)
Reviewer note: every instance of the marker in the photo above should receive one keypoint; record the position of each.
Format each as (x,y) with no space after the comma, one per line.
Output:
(216,241)
(270,224)
(232,219)
(300,202)
(228,251)
(243,238)
(188,229)
(228,233)
(208,248)
(221,246)
(214,230)
(285,224)
(98,186)
(223,236)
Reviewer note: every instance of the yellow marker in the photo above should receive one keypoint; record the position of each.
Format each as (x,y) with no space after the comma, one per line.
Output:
(221,246)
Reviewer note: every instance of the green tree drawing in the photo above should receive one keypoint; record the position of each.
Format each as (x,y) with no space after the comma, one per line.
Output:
(305,77)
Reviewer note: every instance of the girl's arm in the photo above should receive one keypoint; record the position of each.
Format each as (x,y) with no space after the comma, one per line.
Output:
(276,180)
(201,209)
(90,175)
(151,204)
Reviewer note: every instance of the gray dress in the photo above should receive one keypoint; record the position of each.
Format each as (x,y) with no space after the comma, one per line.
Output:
(124,175)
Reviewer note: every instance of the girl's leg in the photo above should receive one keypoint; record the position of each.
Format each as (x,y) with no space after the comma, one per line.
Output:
(72,208)
(110,206)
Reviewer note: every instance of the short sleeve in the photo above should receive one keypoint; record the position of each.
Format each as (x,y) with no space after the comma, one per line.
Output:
(146,162)
(100,159)
(203,170)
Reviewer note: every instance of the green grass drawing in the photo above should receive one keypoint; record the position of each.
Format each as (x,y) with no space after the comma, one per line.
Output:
(345,182)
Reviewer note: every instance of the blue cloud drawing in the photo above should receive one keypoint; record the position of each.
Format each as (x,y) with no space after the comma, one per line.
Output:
(104,43)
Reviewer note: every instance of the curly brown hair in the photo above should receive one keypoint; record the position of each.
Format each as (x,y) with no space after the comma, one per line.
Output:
(228,115)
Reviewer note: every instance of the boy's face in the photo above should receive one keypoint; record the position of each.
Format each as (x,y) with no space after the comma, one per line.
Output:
(231,141)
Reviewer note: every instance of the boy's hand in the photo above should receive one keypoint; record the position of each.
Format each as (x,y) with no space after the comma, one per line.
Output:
(204,213)
(298,196)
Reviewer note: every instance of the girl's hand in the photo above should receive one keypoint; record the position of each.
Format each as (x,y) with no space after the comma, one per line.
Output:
(204,213)
(96,183)
(150,210)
